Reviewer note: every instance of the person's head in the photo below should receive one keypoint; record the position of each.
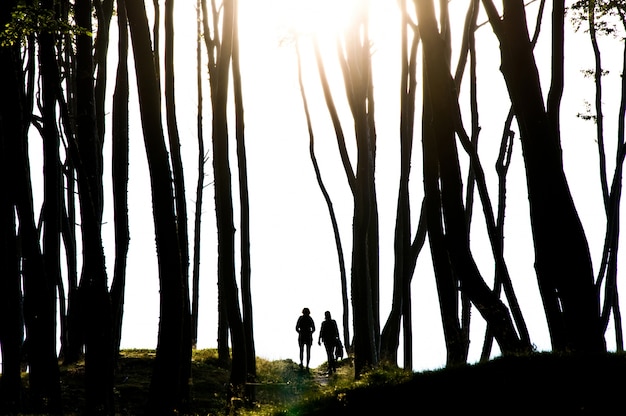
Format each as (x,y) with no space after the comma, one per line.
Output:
(306,311)
(327,315)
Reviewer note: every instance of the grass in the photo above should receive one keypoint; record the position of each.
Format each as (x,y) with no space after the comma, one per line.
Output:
(535,384)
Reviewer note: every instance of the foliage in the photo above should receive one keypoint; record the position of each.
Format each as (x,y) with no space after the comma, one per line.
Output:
(604,13)
(29,20)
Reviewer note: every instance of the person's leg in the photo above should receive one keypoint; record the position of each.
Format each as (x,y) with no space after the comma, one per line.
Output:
(329,358)
(308,355)
(301,353)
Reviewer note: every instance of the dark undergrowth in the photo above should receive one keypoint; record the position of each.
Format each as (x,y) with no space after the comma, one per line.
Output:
(546,384)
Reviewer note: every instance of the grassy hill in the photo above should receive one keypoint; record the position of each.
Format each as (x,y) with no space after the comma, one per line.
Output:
(536,384)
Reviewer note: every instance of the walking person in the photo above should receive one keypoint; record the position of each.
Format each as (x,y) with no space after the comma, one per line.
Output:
(305,328)
(329,333)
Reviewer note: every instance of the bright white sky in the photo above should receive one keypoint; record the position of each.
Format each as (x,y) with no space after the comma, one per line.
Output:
(294,262)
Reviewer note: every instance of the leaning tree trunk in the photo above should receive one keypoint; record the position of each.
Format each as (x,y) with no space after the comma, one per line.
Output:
(332,110)
(440,100)
(565,275)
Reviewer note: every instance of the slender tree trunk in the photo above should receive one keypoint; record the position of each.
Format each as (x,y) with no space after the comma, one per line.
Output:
(244,203)
(199,185)
(165,390)
(94,285)
(39,287)
(227,286)
(403,266)
(179,195)
(39,291)
(332,110)
(120,143)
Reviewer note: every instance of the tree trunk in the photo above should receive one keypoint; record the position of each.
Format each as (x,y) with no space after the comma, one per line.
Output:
(227,285)
(165,395)
(332,110)
(195,290)
(11,324)
(565,275)
(404,267)
(94,285)
(440,98)
(246,290)
(179,196)
(356,67)
(120,143)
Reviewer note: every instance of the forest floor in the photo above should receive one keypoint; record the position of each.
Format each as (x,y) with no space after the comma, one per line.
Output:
(536,384)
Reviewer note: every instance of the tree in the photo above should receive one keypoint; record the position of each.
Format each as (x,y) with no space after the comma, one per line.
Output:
(195,289)
(602,18)
(220,50)
(93,282)
(11,129)
(166,392)
(179,192)
(120,176)
(356,68)
(443,198)
(405,251)
(565,276)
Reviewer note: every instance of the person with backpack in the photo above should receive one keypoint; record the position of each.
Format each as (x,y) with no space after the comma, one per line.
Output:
(305,328)
(329,333)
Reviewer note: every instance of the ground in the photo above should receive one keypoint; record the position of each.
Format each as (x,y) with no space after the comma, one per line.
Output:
(536,384)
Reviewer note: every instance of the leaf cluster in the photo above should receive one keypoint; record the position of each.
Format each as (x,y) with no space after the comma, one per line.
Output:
(603,13)
(28,20)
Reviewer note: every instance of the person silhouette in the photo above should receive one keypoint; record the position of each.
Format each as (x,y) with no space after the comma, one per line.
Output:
(305,328)
(329,333)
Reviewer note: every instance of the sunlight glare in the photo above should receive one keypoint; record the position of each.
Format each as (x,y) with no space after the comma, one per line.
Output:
(317,17)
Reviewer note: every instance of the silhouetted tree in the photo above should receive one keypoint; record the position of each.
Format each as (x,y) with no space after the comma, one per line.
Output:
(244,204)
(565,275)
(166,392)
(195,286)
(12,126)
(603,19)
(443,197)
(93,281)
(332,111)
(405,250)
(220,49)
(356,68)
(120,143)
(179,193)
